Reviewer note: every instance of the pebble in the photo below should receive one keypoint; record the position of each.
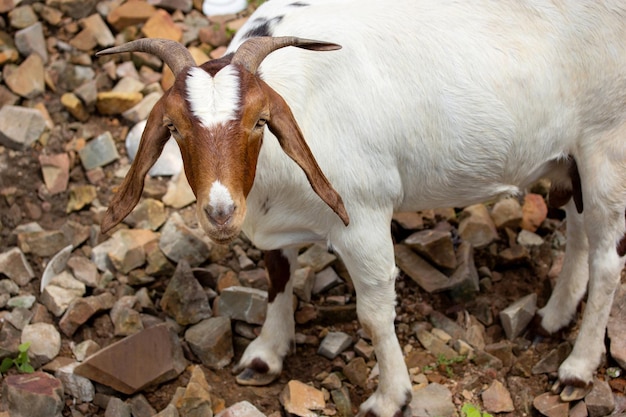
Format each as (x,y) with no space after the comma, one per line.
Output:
(516,317)
(600,401)
(20,127)
(242,303)
(45,342)
(476,226)
(16,267)
(333,344)
(497,399)
(432,400)
(434,246)
(301,400)
(99,151)
(212,342)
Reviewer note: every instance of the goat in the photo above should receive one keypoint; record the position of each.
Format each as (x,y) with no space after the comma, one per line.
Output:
(415,105)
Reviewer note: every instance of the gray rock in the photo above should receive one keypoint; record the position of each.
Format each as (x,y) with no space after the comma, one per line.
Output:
(31,39)
(434,246)
(434,400)
(242,303)
(303,281)
(126,320)
(141,110)
(117,408)
(317,257)
(148,214)
(20,127)
(241,409)
(85,349)
(325,280)
(84,270)
(45,342)
(75,385)
(62,290)
(419,270)
(184,298)
(21,301)
(435,345)
(333,344)
(516,317)
(212,341)
(140,407)
(36,394)
(179,242)
(600,401)
(15,266)
(98,152)
(464,281)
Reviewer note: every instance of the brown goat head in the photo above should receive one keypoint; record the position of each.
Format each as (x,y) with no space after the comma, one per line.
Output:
(217,113)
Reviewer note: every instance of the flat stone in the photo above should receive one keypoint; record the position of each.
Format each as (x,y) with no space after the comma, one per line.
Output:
(56,172)
(99,151)
(476,226)
(26,80)
(184,298)
(516,317)
(20,127)
(317,257)
(212,341)
(550,405)
(35,394)
(161,25)
(600,400)
(45,342)
(431,401)
(16,267)
(241,409)
(325,279)
(424,274)
(74,384)
(147,358)
(242,303)
(497,399)
(301,400)
(333,344)
(357,372)
(435,345)
(434,246)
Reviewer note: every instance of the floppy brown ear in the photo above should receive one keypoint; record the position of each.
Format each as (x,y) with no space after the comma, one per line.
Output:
(283,125)
(153,139)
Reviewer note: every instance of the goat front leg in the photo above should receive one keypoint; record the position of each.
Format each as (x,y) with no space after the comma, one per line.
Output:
(368,255)
(262,361)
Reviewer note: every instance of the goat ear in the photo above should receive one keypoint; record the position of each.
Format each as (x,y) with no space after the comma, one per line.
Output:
(283,125)
(153,139)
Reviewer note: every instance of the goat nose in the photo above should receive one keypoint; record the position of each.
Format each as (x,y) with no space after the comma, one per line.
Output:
(219,216)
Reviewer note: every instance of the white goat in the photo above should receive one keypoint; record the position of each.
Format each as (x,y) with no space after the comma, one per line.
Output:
(428,103)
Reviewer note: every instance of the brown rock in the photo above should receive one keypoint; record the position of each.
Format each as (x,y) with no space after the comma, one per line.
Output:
(56,172)
(534,212)
(110,102)
(130,13)
(161,25)
(497,398)
(36,394)
(27,80)
(299,399)
(75,106)
(435,246)
(550,405)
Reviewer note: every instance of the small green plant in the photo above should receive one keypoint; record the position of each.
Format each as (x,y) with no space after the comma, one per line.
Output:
(470,410)
(21,362)
(445,363)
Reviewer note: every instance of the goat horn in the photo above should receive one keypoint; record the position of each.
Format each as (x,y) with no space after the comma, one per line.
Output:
(174,54)
(252,52)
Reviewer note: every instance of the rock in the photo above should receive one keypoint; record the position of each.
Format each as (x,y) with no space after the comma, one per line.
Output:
(99,152)
(364,349)
(196,399)
(80,197)
(110,103)
(434,400)
(317,257)
(516,317)
(140,407)
(507,213)
(325,279)
(141,110)
(156,351)
(435,345)
(550,405)
(61,292)
(179,193)
(534,212)
(502,350)
(301,399)
(184,298)
(98,29)
(434,246)
(45,342)
(497,399)
(84,270)
(75,385)
(463,283)
(211,341)
(600,401)
(15,266)
(333,344)
(181,243)
(424,274)
(148,214)
(409,220)
(241,409)
(550,363)
(476,226)
(26,80)
(242,303)
(527,238)
(56,172)
(117,408)
(31,40)
(129,252)
(129,14)
(85,349)
(36,394)
(303,281)
(255,278)
(126,320)
(357,372)
(20,127)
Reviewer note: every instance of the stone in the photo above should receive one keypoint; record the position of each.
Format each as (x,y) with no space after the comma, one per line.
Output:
(184,298)
(16,267)
(303,281)
(20,127)
(343,404)
(616,328)
(84,270)
(179,193)
(241,409)
(161,25)
(518,315)
(148,214)
(181,243)
(550,363)
(255,278)
(117,408)
(140,407)
(98,29)
(507,212)
(364,349)
(170,162)
(196,399)
(80,197)
(301,400)
(22,16)
(75,385)
(527,238)
(45,342)
(434,246)
(317,257)
(325,279)
(476,226)
(502,350)
(99,151)
(141,110)
(156,351)
(464,282)
(534,211)
(129,14)
(211,340)
(129,252)
(61,292)
(424,274)
(85,349)
(31,40)
(76,9)
(600,400)
(75,106)
(432,400)
(357,372)
(35,394)
(333,344)
(26,80)
(111,103)
(126,320)
(550,405)
(56,172)
(435,345)
(497,399)
(242,303)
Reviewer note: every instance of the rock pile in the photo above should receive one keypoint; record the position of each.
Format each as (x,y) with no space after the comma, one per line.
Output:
(147,320)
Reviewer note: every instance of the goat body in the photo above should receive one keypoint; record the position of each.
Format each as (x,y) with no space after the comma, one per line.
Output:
(429,103)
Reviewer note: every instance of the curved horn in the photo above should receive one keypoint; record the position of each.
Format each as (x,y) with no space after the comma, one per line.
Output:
(174,54)
(252,52)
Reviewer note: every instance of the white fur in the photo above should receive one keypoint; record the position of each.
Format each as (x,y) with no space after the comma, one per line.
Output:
(219,197)
(442,103)
(214,100)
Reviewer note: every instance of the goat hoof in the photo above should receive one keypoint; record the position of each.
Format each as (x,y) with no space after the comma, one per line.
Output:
(251,377)
(571,393)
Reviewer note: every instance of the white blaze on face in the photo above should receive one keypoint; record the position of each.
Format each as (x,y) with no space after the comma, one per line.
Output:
(213,100)
(220,199)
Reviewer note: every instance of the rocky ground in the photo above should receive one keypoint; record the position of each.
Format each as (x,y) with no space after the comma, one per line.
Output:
(152,317)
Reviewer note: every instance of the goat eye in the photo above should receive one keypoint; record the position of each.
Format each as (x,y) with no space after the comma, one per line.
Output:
(260,123)
(171,127)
